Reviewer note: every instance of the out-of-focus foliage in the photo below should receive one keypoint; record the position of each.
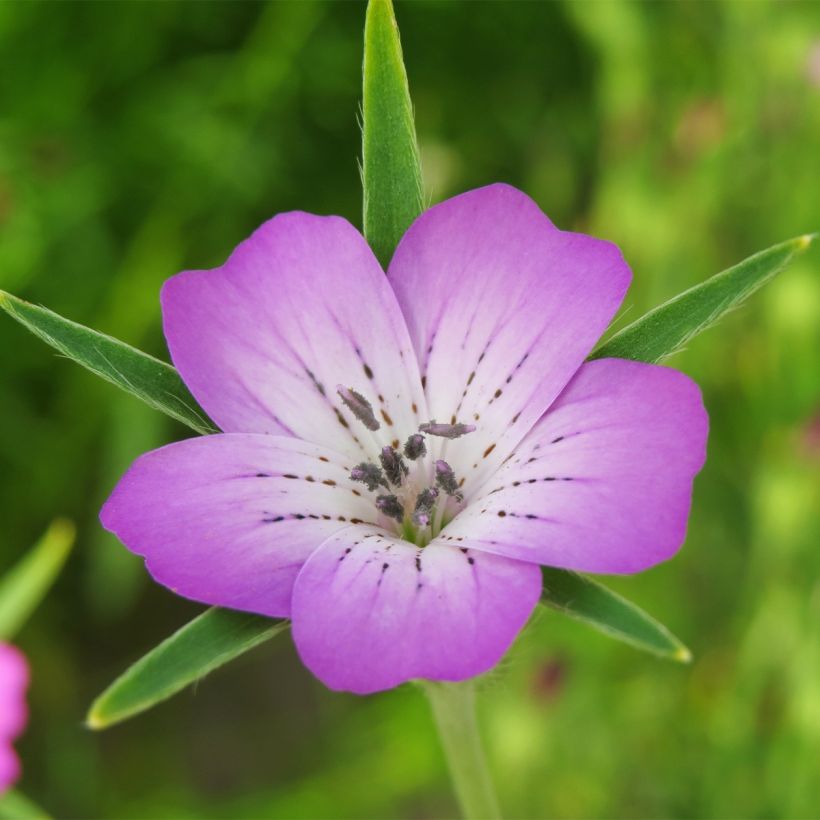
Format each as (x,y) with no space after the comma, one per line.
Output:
(140,139)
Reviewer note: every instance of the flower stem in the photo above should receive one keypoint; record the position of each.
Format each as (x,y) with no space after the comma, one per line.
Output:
(453,707)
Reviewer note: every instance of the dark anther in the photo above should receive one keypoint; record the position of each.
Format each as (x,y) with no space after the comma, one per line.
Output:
(425,501)
(446,479)
(393,465)
(368,474)
(415,447)
(391,507)
(359,406)
(446,430)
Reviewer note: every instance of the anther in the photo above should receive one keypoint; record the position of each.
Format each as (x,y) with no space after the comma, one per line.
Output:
(425,501)
(368,474)
(415,447)
(446,479)
(359,406)
(446,430)
(391,507)
(393,465)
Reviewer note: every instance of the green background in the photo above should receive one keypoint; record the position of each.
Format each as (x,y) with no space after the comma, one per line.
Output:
(138,139)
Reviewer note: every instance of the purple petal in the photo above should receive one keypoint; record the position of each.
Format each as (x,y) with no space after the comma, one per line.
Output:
(230,519)
(14,678)
(502,308)
(371,611)
(300,307)
(9,767)
(604,481)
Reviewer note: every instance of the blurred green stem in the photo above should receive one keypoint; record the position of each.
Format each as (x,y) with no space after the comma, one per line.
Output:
(453,707)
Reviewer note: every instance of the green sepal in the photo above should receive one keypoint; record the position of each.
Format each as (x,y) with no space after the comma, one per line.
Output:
(667,328)
(202,645)
(583,599)
(149,379)
(391,169)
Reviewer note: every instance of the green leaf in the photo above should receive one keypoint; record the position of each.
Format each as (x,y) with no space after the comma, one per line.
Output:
(586,600)
(669,327)
(16,806)
(155,382)
(24,585)
(391,170)
(206,643)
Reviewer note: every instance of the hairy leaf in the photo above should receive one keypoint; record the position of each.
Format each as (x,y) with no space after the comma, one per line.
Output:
(669,327)
(586,600)
(155,382)
(391,170)
(206,643)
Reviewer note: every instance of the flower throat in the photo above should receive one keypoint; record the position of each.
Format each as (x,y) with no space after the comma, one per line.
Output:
(405,495)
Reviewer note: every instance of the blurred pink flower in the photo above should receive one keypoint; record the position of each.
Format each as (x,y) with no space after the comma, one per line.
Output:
(13,711)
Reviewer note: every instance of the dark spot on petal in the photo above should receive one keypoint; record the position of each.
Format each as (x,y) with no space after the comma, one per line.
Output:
(501,513)
(489,450)
(290,475)
(322,458)
(386,417)
(330,482)
(556,440)
(367,371)
(497,393)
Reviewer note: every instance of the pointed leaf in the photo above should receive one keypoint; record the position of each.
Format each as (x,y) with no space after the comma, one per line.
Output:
(391,170)
(206,643)
(586,600)
(16,806)
(155,382)
(667,328)
(25,585)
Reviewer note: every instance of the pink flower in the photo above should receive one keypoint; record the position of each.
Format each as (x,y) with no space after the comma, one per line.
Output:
(401,452)
(13,712)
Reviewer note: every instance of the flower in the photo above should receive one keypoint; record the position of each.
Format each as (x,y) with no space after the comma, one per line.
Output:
(13,712)
(401,452)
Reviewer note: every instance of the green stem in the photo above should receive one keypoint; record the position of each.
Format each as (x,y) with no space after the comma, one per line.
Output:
(453,707)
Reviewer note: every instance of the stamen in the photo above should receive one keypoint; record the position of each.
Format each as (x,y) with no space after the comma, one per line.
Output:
(393,465)
(446,479)
(446,430)
(415,447)
(425,502)
(391,507)
(368,474)
(359,406)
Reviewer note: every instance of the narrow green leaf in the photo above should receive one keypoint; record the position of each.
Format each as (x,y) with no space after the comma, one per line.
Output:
(586,600)
(391,170)
(206,643)
(669,327)
(16,806)
(155,382)
(25,584)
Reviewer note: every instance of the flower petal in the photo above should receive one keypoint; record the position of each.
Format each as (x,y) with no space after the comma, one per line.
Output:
(604,481)
(230,519)
(14,678)
(300,307)
(371,611)
(9,767)
(502,308)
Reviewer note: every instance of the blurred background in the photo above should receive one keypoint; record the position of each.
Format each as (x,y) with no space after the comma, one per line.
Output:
(139,139)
